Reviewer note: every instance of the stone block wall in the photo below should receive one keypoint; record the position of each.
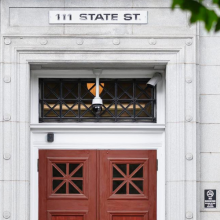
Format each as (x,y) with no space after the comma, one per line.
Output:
(25,20)
(209,96)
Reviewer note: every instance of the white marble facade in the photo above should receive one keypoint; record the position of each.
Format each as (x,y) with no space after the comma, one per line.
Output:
(192,62)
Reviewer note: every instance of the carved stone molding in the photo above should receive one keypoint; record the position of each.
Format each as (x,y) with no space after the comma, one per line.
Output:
(152,41)
(6,215)
(181,136)
(116,41)
(79,41)
(43,41)
(7,156)
(7,41)
(189,42)
(7,79)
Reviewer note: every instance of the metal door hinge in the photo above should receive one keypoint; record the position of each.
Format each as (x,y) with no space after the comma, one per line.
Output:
(37,165)
(157,164)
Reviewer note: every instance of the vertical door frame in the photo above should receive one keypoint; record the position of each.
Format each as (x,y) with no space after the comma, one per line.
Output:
(178,53)
(159,146)
(145,128)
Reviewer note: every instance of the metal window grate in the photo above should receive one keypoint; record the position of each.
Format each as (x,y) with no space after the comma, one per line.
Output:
(70,100)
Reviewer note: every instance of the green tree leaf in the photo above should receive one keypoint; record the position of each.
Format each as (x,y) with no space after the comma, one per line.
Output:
(217,27)
(199,12)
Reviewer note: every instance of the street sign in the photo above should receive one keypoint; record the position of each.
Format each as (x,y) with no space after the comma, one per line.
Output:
(98,17)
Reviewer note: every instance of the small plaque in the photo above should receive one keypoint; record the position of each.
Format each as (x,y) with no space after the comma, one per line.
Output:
(210,198)
(50,137)
(98,17)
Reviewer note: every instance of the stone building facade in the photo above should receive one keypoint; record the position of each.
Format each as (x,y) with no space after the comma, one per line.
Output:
(185,134)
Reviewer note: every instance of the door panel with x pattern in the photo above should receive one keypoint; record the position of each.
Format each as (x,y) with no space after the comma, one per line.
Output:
(129,178)
(67,178)
(67,184)
(128,184)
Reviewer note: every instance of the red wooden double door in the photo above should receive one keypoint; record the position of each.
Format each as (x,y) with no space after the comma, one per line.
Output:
(97,185)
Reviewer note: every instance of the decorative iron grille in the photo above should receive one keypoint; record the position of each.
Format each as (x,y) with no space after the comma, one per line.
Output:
(70,100)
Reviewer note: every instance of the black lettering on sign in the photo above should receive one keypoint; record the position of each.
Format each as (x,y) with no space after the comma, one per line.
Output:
(70,16)
(83,16)
(127,17)
(64,16)
(91,16)
(106,16)
(136,16)
(99,16)
(114,17)
(58,16)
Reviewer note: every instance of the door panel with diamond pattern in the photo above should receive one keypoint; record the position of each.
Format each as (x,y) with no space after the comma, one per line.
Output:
(97,185)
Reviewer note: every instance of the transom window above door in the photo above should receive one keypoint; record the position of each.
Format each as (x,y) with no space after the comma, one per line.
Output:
(70,100)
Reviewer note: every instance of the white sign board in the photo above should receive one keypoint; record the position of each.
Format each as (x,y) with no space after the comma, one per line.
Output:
(98,17)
